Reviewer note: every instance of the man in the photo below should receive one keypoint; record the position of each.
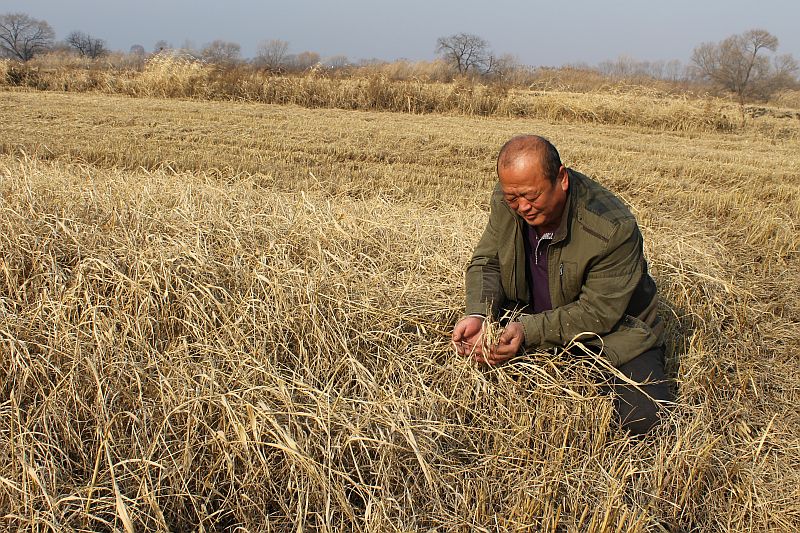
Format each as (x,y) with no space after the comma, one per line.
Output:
(568,254)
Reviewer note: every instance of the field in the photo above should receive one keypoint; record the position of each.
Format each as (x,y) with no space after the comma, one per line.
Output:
(223,316)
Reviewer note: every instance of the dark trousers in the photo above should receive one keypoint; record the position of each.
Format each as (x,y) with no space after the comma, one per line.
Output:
(635,409)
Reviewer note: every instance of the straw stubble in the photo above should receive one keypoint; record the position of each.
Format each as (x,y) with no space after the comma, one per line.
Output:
(220,328)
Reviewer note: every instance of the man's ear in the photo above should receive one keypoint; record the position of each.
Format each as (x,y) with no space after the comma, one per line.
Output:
(563,178)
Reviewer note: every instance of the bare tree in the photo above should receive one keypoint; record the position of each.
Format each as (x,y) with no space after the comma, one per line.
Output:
(222,52)
(674,70)
(161,46)
(627,67)
(303,60)
(465,52)
(272,54)
(136,57)
(785,68)
(623,66)
(23,37)
(86,45)
(504,67)
(188,49)
(784,74)
(739,64)
(337,62)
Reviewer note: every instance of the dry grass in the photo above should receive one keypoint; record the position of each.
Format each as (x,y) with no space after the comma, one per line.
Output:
(788,98)
(5,65)
(402,70)
(217,315)
(379,89)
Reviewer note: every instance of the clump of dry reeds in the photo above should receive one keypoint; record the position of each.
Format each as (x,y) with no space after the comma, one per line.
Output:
(208,328)
(659,112)
(169,75)
(787,98)
(431,71)
(5,65)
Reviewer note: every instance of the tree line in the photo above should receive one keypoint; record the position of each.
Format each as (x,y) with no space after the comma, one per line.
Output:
(746,65)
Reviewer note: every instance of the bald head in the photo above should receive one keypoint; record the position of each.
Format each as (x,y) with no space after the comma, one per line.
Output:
(522,148)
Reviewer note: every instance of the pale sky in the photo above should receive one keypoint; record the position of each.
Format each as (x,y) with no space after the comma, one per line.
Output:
(536,32)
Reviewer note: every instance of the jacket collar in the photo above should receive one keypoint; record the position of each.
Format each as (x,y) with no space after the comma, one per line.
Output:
(563,227)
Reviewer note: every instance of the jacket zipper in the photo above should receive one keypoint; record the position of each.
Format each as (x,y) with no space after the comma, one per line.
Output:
(514,273)
(561,282)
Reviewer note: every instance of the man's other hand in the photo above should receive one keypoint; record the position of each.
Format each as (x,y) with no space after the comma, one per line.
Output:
(468,336)
(508,345)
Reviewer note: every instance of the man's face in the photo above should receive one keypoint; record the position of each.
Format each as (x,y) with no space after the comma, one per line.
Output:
(534,197)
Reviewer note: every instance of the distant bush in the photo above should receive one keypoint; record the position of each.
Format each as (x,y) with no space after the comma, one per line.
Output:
(788,98)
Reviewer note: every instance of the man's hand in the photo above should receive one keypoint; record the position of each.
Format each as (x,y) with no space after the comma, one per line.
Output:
(508,345)
(468,340)
(468,336)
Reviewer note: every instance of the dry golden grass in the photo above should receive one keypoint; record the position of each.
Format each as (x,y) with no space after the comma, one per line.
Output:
(378,88)
(217,315)
(788,98)
(5,65)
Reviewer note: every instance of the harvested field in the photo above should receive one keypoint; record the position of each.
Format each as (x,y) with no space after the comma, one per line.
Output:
(219,315)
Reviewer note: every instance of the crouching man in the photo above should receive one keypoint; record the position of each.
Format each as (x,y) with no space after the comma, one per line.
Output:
(569,254)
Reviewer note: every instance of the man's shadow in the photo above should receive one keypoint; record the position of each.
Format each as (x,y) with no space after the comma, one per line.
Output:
(679,326)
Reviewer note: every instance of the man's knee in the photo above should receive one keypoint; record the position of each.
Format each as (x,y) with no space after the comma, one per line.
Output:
(637,407)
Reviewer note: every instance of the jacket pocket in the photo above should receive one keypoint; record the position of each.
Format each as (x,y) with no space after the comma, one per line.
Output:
(569,282)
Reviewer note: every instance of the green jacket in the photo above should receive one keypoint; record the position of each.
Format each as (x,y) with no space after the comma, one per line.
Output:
(598,277)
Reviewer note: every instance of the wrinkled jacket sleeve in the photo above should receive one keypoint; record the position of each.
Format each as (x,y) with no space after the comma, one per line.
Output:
(604,296)
(484,288)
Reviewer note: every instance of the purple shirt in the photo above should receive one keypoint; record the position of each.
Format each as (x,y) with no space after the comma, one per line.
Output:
(537,267)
